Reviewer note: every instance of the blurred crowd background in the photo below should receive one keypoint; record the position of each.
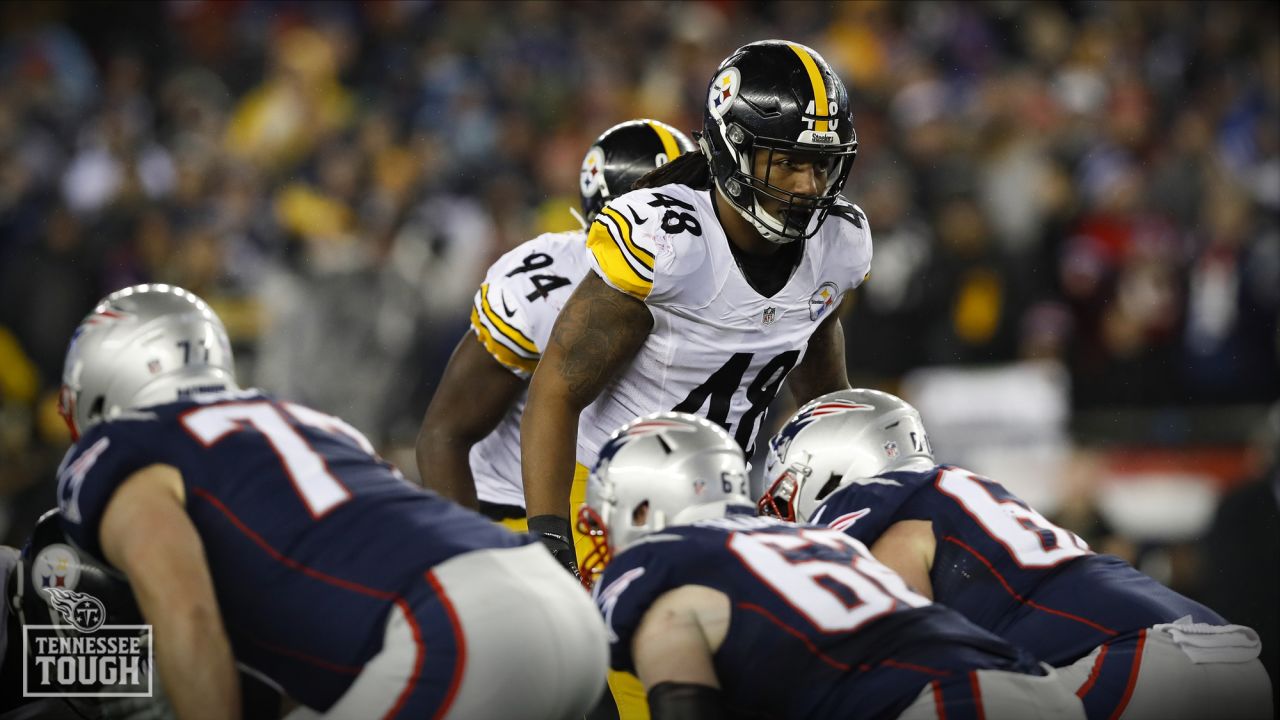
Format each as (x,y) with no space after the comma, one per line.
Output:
(1075,210)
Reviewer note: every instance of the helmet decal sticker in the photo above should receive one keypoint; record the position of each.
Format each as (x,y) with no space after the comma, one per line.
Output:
(592,175)
(723,90)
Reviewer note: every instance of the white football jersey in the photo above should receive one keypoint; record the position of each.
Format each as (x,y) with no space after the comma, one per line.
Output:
(718,348)
(512,317)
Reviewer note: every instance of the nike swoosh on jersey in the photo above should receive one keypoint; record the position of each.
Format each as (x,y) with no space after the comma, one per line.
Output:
(639,220)
(505,308)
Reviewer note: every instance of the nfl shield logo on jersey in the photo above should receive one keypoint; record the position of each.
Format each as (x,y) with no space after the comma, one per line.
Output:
(770,315)
(822,299)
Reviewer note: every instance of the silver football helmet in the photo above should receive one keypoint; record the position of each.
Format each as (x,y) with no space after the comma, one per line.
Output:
(659,470)
(143,345)
(835,440)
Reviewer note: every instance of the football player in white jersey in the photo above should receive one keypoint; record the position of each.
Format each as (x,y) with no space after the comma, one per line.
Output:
(469,446)
(712,284)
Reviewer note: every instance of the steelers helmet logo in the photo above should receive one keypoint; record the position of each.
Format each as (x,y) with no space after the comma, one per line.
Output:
(591,180)
(723,90)
(56,566)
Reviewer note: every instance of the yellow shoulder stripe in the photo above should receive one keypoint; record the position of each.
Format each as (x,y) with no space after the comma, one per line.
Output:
(819,87)
(644,256)
(615,263)
(512,334)
(500,352)
(669,144)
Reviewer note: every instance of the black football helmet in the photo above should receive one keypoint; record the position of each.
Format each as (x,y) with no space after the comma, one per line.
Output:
(777,96)
(50,564)
(623,154)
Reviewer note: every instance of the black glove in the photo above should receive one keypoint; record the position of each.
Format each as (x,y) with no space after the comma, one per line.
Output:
(555,533)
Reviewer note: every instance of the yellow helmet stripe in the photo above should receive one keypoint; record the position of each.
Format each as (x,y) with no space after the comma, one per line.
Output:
(819,87)
(669,144)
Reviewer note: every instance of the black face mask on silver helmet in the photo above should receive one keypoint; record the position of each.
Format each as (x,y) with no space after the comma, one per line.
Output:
(143,345)
(622,155)
(774,102)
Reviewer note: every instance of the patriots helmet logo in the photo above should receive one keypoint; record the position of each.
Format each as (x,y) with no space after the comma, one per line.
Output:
(656,426)
(782,441)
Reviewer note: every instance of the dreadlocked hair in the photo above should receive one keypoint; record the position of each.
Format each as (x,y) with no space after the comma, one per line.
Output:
(691,169)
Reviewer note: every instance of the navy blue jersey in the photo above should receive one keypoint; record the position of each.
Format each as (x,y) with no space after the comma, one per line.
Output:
(818,627)
(310,537)
(1005,567)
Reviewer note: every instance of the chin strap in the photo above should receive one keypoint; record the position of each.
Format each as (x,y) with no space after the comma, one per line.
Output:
(578,216)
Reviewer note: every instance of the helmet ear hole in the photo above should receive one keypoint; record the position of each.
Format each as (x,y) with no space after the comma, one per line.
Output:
(640,514)
(95,408)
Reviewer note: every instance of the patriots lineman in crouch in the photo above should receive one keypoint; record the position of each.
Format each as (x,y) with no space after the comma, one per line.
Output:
(266,534)
(860,461)
(723,614)
(469,445)
(712,285)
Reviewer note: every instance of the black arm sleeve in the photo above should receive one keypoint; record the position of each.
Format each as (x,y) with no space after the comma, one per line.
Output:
(685,701)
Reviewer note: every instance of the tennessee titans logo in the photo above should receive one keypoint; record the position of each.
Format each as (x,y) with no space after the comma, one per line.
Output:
(85,612)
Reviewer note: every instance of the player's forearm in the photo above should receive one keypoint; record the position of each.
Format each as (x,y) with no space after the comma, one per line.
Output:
(145,532)
(548,447)
(195,663)
(597,333)
(444,463)
(474,395)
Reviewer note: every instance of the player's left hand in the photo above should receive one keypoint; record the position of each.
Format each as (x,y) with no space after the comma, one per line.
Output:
(555,534)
